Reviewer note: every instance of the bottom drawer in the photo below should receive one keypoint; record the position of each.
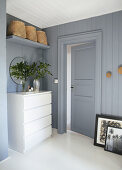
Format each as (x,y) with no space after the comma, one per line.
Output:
(31,141)
(37,125)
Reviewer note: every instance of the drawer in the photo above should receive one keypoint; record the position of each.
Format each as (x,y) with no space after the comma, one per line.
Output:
(37,125)
(31,141)
(37,113)
(36,100)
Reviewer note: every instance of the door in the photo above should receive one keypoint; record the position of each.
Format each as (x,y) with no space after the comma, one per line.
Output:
(83,59)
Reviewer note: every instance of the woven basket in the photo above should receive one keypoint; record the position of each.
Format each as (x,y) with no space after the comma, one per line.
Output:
(31,33)
(41,37)
(17,28)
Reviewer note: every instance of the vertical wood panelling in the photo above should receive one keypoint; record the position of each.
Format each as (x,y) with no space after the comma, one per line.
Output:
(108,58)
(111,27)
(3,84)
(115,63)
(75,27)
(105,24)
(120,62)
(15,50)
(12,51)
(51,57)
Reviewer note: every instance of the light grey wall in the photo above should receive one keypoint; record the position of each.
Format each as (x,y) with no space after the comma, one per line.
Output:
(14,50)
(3,84)
(111,26)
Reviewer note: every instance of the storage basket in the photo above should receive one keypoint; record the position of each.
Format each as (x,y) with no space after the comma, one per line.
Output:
(41,37)
(31,33)
(17,28)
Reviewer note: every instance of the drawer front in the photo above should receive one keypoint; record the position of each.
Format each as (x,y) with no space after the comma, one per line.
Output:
(37,113)
(37,100)
(33,140)
(37,125)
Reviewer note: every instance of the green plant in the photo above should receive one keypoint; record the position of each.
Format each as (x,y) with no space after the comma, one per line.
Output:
(40,70)
(21,71)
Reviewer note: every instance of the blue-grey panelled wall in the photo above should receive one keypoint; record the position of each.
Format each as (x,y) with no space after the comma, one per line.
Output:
(111,26)
(3,84)
(8,51)
(15,50)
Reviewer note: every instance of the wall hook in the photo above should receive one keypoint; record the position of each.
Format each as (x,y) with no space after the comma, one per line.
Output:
(108,74)
(120,70)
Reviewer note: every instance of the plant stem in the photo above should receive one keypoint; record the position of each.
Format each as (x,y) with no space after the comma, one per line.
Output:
(23,86)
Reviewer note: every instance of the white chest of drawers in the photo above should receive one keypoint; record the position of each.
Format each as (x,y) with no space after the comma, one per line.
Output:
(29,119)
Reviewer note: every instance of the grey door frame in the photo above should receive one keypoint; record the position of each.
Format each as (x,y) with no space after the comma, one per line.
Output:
(62,72)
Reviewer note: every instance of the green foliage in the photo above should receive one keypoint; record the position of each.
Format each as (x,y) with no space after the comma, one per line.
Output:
(40,70)
(21,71)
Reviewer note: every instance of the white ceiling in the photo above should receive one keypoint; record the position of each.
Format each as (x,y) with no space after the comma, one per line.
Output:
(46,13)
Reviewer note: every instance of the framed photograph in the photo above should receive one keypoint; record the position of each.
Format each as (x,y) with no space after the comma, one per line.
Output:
(102,123)
(113,142)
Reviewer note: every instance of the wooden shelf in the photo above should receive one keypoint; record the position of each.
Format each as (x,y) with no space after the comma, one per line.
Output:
(22,41)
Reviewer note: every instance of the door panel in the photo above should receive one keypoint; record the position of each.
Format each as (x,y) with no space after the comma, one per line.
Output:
(84,88)
(82,97)
(84,63)
(81,119)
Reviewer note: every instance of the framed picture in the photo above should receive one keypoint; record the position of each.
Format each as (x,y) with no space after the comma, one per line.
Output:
(102,122)
(113,142)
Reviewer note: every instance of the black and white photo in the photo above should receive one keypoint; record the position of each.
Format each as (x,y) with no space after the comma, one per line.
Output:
(102,123)
(113,141)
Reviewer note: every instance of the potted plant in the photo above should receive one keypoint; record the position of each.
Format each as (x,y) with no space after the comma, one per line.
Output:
(22,71)
(39,70)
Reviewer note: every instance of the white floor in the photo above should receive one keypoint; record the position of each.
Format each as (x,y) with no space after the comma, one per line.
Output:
(69,151)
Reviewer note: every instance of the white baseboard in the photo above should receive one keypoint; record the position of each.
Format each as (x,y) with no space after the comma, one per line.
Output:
(5,160)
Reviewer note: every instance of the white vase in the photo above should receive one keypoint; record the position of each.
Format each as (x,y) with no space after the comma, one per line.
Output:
(36,85)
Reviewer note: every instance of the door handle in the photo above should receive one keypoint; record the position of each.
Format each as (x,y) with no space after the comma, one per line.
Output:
(72,87)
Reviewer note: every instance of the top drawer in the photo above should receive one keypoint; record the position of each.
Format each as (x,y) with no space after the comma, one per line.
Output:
(36,100)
